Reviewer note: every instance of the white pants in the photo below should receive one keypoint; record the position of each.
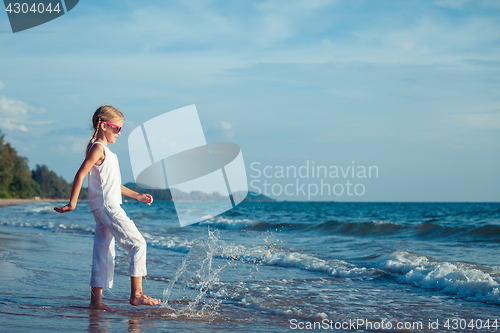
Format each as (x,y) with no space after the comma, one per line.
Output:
(113,223)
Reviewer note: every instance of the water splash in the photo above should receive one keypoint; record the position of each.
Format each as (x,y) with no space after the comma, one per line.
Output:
(196,291)
(198,276)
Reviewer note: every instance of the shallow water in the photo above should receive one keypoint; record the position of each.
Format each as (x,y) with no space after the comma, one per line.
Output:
(261,267)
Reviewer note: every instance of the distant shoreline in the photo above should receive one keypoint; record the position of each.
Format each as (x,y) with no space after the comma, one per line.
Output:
(11,202)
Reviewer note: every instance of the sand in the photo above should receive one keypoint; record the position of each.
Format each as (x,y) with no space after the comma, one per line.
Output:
(11,202)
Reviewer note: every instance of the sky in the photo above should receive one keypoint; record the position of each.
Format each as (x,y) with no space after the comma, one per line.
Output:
(408,88)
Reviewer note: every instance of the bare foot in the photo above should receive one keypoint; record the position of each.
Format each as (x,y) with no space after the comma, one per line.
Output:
(100,306)
(141,299)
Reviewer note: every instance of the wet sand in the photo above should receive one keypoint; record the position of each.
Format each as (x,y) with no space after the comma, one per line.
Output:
(11,202)
(45,278)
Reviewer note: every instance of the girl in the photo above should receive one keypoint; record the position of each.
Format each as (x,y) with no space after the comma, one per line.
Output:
(105,197)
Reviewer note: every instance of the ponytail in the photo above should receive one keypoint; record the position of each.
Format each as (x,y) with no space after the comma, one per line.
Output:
(93,138)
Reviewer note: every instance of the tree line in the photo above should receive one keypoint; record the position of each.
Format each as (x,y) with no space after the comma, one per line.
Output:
(18,181)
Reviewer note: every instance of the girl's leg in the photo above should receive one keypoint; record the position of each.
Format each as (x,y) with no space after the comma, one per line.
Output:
(102,264)
(96,300)
(131,240)
(103,255)
(137,297)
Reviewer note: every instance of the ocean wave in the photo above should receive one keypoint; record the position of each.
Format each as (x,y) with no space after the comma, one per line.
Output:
(458,279)
(334,268)
(422,230)
(486,232)
(426,229)
(265,255)
(171,243)
(377,228)
(57,227)
(232,224)
(278,257)
(34,208)
(331,227)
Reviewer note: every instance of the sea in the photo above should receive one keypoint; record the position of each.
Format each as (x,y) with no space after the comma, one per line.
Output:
(261,267)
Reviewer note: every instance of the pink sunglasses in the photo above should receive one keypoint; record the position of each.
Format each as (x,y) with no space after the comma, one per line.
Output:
(119,129)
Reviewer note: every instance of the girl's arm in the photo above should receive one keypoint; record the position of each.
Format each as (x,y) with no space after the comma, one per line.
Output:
(148,198)
(93,156)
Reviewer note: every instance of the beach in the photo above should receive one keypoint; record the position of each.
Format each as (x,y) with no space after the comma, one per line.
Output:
(261,267)
(11,202)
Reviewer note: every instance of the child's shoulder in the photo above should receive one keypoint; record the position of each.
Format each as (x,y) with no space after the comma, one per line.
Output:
(97,153)
(97,148)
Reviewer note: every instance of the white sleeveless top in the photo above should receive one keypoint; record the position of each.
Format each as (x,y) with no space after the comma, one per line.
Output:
(105,182)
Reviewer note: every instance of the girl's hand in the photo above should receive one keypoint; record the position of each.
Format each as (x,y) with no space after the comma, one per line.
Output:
(148,198)
(67,208)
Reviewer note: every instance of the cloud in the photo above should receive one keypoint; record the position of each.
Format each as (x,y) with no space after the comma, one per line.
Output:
(482,120)
(219,131)
(457,4)
(226,125)
(77,145)
(207,42)
(14,114)
(461,4)
(2,85)
(163,27)
(227,128)
(465,128)
(301,32)
(283,19)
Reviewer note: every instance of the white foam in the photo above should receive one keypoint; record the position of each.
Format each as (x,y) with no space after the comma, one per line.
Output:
(263,255)
(39,209)
(453,278)
(172,243)
(381,222)
(229,224)
(277,257)
(335,268)
(320,315)
(49,225)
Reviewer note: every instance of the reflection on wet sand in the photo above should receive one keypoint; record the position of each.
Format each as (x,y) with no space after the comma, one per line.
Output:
(138,320)
(134,326)
(97,323)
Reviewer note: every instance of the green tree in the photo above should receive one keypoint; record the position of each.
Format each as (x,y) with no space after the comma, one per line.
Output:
(17,181)
(52,186)
(6,166)
(22,185)
(15,176)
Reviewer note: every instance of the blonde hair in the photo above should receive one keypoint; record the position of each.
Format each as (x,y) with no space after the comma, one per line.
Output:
(107,113)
